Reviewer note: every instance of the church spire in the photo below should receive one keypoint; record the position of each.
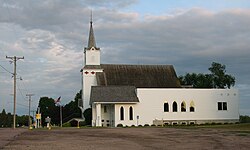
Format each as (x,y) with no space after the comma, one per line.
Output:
(91,42)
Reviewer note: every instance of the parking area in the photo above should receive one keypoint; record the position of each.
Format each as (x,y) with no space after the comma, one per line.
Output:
(130,138)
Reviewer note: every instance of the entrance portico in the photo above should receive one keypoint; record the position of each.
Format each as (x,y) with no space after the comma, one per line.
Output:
(103,100)
(103,115)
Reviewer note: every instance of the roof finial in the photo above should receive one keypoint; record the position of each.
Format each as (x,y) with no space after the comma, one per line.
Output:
(91,42)
(91,17)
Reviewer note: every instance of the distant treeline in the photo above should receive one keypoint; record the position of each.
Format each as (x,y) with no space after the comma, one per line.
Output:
(6,120)
(244,119)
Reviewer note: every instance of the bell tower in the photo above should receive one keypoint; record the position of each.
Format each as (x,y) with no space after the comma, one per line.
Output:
(91,53)
(91,66)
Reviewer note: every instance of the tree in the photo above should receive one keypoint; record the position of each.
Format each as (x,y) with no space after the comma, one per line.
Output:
(48,109)
(3,118)
(220,78)
(71,110)
(216,79)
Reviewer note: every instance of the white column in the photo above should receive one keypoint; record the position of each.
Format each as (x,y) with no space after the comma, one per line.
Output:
(93,115)
(98,115)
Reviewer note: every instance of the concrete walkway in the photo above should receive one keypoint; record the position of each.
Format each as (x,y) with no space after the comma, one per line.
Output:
(8,134)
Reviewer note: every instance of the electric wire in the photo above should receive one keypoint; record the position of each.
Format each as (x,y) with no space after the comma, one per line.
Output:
(6,70)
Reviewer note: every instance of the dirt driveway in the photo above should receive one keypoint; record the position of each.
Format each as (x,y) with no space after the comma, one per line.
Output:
(130,139)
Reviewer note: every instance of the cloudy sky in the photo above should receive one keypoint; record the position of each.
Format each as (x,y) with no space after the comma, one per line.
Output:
(51,35)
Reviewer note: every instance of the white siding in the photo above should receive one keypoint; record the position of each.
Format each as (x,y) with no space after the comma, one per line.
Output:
(151,105)
(126,120)
(88,81)
(92,57)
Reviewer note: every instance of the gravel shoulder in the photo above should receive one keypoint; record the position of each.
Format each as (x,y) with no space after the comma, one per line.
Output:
(8,135)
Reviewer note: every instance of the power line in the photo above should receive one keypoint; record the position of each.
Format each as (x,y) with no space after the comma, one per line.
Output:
(6,69)
(20,92)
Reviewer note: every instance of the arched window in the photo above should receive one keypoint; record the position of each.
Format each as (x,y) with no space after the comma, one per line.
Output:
(121,113)
(174,107)
(131,113)
(105,109)
(191,108)
(183,107)
(166,108)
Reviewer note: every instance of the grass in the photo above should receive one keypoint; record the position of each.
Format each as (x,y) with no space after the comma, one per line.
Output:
(238,127)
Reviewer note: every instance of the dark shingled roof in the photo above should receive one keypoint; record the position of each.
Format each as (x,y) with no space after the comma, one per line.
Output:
(109,94)
(140,76)
(92,67)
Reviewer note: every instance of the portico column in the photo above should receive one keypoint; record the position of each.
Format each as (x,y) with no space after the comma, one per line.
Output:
(98,115)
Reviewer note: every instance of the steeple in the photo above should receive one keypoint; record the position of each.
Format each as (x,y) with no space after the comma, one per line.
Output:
(92,54)
(91,42)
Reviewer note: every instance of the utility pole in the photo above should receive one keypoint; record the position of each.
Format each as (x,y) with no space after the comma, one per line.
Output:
(29,95)
(14,59)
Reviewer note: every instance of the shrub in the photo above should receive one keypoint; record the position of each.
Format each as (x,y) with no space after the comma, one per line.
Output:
(88,116)
(119,125)
(132,125)
(146,125)
(153,125)
(66,124)
(140,125)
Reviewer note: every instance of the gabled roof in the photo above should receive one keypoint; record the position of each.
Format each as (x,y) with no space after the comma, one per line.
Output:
(140,76)
(113,94)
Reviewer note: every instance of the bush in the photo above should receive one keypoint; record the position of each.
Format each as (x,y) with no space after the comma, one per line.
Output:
(66,124)
(88,116)
(140,125)
(119,125)
(244,119)
(132,125)
(153,125)
(146,125)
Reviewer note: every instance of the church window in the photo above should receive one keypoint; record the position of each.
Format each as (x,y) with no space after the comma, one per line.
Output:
(191,108)
(174,107)
(183,107)
(105,109)
(166,107)
(222,105)
(219,105)
(121,113)
(131,113)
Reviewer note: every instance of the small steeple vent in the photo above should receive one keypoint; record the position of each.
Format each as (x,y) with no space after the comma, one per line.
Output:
(91,42)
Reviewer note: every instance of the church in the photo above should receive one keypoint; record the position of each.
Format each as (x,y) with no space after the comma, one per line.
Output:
(133,95)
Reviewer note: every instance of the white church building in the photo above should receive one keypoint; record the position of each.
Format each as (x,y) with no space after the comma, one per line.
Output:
(148,94)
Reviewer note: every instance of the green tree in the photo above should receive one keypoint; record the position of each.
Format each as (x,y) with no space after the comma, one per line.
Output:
(3,117)
(71,110)
(22,120)
(216,79)
(220,78)
(48,109)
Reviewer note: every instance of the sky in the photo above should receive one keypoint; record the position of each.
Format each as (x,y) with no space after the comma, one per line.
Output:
(51,35)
